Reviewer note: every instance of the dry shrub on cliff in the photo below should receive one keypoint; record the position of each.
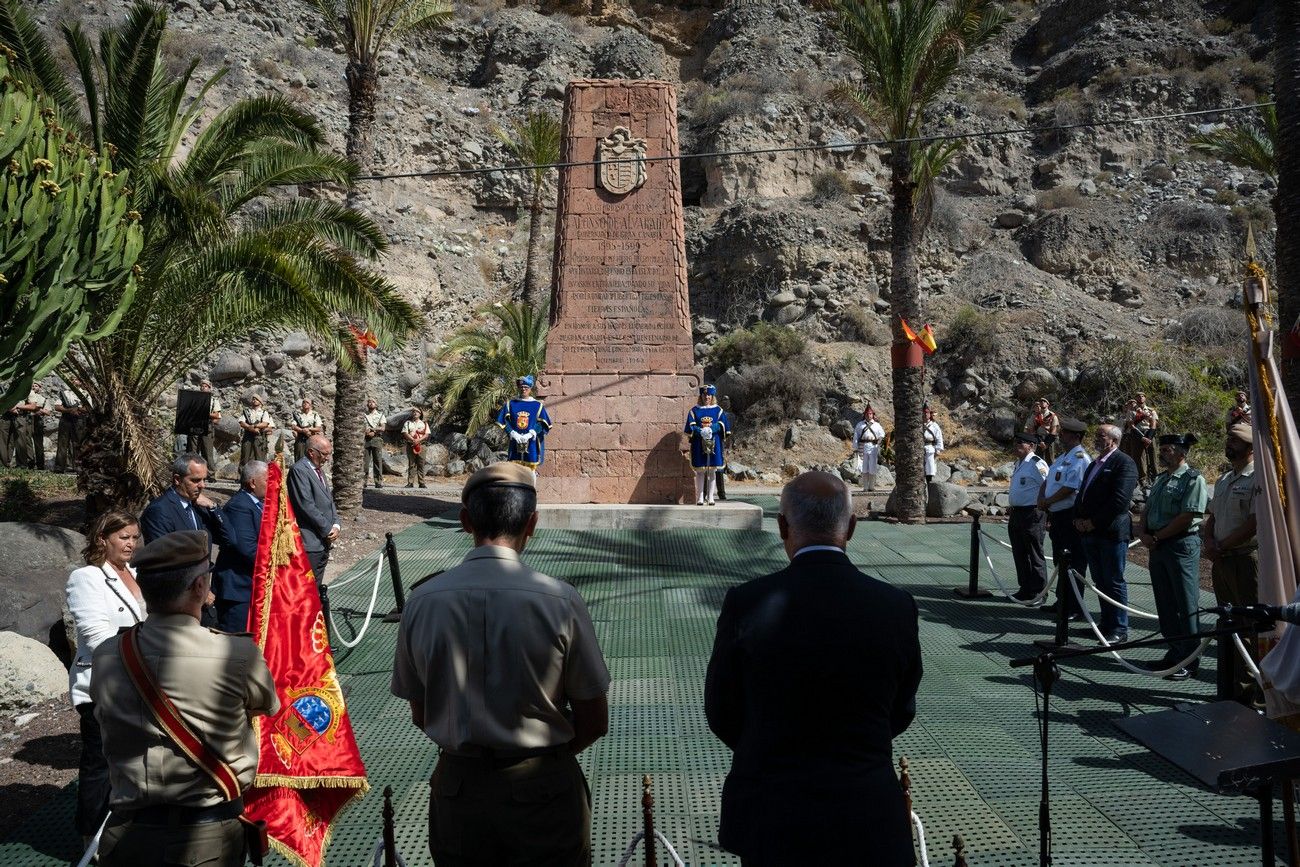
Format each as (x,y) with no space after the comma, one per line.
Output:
(1210,328)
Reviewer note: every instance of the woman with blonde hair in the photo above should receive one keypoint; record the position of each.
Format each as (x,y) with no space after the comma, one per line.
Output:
(102,598)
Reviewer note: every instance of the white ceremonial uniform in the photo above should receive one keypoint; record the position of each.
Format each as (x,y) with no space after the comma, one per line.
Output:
(932,435)
(867,439)
(1066,472)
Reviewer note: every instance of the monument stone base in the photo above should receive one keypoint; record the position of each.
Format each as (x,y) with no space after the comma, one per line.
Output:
(621,439)
(726,515)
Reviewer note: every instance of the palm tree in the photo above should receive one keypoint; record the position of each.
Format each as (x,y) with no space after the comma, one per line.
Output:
(221,258)
(908,51)
(487,358)
(1247,145)
(535,142)
(364,28)
(1286,87)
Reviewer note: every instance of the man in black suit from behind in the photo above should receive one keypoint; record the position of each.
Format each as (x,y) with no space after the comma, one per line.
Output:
(232,577)
(814,672)
(1101,515)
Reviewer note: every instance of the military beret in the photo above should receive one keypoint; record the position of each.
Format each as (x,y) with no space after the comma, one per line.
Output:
(503,474)
(182,551)
(1242,431)
(1027,438)
(1073,425)
(1185,441)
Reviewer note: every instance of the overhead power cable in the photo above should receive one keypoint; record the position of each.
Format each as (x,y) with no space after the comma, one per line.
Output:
(835,146)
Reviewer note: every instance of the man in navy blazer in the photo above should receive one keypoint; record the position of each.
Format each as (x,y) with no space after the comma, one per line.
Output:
(313,506)
(1101,515)
(232,577)
(814,672)
(184,506)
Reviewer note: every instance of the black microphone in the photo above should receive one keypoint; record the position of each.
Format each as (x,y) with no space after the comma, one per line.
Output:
(1285,613)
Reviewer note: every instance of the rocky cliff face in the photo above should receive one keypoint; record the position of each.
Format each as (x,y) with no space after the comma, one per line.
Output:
(1071,239)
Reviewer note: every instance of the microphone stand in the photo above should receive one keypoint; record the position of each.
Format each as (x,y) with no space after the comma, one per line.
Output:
(1046,674)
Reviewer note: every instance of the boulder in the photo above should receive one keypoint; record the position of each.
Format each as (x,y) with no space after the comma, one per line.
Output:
(627,53)
(842,428)
(231,367)
(791,436)
(30,673)
(296,343)
(395,463)
(1002,472)
(1036,383)
(942,472)
(741,473)
(945,500)
(32,582)
(1003,425)
(884,478)
(848,472)
(457,444)
(274,361)
(455,467)
(1165,379)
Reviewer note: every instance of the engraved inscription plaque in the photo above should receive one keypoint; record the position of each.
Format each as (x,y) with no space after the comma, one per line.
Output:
(620,368)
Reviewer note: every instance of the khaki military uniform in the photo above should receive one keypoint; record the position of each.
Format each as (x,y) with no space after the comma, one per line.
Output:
(206,444)
(306,420)
(25,448)
(1141,423)
(493,685)
(373,459)
(8,437)
(1235,570)
(255,445)
(72,430)
(1047,427)
(217,682)
(414,459)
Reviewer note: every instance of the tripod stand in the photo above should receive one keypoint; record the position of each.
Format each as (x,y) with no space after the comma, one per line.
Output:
(1046,674)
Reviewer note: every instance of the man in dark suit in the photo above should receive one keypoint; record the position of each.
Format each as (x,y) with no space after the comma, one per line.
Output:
(183,507)
(313,506)
(232,577)
(1101,515)
(814,671)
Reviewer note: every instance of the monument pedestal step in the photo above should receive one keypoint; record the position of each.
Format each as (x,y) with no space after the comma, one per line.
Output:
(726,515)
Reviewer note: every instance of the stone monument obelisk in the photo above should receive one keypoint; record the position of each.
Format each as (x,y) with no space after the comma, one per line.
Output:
(620,368)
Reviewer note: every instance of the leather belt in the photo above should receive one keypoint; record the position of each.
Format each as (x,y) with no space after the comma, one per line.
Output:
(473,751)
(165,814)
(1021,508)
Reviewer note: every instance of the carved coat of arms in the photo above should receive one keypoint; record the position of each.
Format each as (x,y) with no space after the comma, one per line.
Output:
(622,161)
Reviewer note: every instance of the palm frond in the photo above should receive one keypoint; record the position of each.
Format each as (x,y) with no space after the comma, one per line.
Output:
(1244,144)
(224,139)
(272,163)
(486,357)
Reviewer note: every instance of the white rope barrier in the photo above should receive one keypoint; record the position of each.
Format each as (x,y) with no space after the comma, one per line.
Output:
(1037,601)
(1087,615)
(93,849)
(1007,545)
(1087,579)
(920,840)
(1250,663)
(374,594)
(638,837)
(378,859)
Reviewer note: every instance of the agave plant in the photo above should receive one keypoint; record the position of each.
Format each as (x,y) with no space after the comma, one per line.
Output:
(222,256)
(486,357)
(68,238)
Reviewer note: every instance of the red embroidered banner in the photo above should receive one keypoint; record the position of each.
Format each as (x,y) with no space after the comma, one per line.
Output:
(309,766)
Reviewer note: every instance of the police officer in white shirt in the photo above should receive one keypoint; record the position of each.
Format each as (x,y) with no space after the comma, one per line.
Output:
(1027,523)
(1056,500)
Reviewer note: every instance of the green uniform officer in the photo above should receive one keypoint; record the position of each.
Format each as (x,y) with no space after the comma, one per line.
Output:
(1170,529)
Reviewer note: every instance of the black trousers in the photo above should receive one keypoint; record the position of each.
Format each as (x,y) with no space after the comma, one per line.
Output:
(92,775)
(1026,531)
(1067,551)
(319,560)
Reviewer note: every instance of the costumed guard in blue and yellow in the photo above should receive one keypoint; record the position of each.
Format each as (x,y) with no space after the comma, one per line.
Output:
(525,419)
(708,426)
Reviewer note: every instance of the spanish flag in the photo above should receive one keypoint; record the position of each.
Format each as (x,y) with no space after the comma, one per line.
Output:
(309,766)
(907,330)
(926,339)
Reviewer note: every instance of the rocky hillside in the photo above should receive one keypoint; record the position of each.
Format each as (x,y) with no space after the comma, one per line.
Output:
(1043,251)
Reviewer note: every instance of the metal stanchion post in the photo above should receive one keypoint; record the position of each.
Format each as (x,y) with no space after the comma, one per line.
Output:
(972,590)
(1225,681)
(1064,591)
(390,551)
(390,842)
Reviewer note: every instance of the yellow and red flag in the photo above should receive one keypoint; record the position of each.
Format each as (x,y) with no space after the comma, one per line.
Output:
(926,339)
(907,330)
(309,766)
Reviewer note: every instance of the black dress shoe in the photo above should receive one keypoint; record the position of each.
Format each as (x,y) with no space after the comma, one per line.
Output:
(1180,674)
(1024,595)
(1116,638)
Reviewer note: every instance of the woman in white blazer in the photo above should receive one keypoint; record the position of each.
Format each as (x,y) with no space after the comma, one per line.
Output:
(103,598)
